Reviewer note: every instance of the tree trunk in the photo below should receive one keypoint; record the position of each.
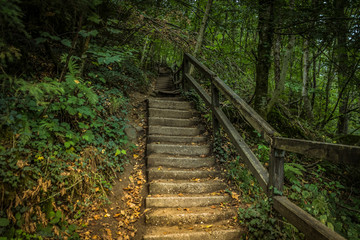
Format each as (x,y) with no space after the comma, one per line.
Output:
(327,92)
(342,61)
(263,63)
(314,85)
(143,53)
(304,93)
(200,36)
(280,85)
(277,56)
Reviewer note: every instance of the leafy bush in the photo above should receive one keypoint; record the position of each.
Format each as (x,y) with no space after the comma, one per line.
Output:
(57,137)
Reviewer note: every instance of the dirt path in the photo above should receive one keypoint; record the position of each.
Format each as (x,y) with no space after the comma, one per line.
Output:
(123,217)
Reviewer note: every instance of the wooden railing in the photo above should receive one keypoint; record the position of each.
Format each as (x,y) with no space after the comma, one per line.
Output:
(311,227)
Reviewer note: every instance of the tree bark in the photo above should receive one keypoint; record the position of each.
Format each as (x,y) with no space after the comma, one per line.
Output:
(342,62)
(280,85)
(277,62)
(314,84)
(143,53)
(327,92)
(200,36)
(304,93)
(263,63)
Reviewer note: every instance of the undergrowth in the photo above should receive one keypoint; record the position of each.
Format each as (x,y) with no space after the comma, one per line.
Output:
(62,139)
(326,191)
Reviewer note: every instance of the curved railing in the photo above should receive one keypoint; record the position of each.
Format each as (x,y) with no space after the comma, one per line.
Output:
(274,178)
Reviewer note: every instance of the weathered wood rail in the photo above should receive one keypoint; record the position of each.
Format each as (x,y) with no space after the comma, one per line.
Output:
(311,227)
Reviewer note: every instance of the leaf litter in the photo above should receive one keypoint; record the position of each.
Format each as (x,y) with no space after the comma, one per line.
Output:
(120,219)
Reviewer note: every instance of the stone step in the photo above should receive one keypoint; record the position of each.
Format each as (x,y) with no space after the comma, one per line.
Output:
(168,104)
(156,160)
(185,187)
(177,139)
(197,232)
(168,113)
(174,131)
(169,98)
(183,216)
(185,201)
(174,122)
(179,174)
(178,149)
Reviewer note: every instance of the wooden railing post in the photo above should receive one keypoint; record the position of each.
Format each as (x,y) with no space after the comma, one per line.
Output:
(215,104)
(185,71)
(276,170)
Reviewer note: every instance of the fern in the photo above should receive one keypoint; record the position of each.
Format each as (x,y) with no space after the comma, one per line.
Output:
(39,91)
(73,67)
(75,81)
(293,170)
(89,94)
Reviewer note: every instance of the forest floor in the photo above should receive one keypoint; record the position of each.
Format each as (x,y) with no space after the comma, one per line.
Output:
(123,218)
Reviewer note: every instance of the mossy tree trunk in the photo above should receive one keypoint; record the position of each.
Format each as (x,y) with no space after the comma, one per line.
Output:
(263,61)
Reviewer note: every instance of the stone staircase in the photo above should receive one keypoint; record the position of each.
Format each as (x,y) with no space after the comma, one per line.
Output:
(186,194)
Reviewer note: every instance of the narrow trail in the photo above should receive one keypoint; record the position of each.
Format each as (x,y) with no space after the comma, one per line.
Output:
(187,198)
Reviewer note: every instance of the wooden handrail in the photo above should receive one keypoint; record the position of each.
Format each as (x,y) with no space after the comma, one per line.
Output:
(333,152)
(337,153)
(303,221)
(247,155)
(254,119)
(312,228)
(199,65)
(199,89)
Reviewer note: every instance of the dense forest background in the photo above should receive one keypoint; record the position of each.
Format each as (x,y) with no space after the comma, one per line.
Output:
(67,69)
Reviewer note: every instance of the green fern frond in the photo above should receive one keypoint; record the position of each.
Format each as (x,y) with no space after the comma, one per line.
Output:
(40,90)
(89,93)
(73,67)
(292,170)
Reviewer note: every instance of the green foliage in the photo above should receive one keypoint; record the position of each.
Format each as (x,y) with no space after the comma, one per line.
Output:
(322,200)
(260,222)
(293,171)
(62,140)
